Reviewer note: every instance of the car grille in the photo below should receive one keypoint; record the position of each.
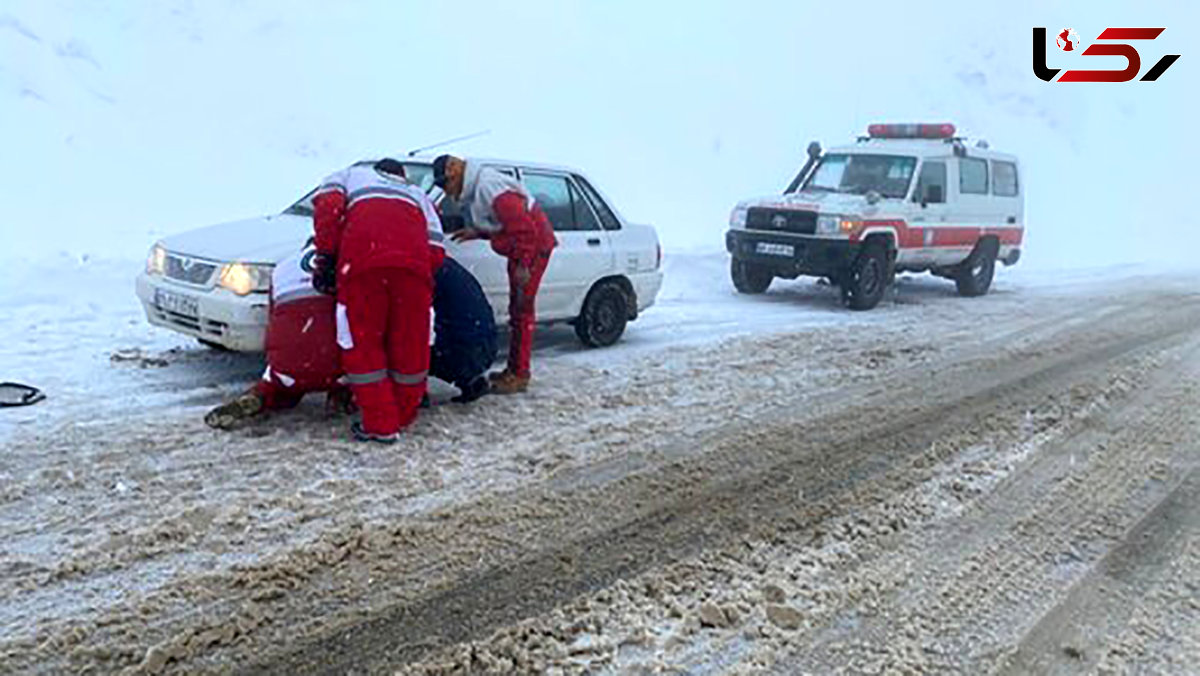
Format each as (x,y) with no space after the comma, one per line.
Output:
(189,270)
(197,324)
(782,220)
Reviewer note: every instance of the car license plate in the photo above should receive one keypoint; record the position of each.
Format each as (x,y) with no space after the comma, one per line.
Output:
(772,249)
(177,303)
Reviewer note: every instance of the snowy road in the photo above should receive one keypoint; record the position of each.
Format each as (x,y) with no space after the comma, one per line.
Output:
(744,483)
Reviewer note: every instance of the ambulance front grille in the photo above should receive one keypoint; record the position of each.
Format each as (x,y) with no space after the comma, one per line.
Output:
(781,220)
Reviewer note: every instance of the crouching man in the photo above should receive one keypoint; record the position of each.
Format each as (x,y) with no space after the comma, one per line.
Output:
(303,354)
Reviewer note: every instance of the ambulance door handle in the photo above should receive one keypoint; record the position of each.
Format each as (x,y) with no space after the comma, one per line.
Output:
(918,219)
(1012,219)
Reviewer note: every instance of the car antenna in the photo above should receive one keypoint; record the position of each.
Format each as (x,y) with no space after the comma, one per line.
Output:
(447,142)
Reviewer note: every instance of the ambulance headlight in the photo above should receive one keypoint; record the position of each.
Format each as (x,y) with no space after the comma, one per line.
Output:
(245,278)
(836,224)
(737,217)
(156,260)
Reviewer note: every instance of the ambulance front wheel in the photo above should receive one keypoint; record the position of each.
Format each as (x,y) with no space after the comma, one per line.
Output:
(867,279)
(749,278)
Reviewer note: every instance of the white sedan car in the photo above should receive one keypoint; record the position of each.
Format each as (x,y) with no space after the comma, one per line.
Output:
(212,283)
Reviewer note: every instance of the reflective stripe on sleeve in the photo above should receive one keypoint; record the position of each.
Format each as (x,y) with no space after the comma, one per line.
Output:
(367,378)
(380,191)
(298,294)
(408,378)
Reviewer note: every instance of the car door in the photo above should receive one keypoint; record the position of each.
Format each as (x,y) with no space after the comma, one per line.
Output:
(584,253)
(488,267)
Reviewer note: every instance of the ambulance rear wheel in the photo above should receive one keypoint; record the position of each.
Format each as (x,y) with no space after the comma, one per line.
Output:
(867,279)
(974,276)
(749,278)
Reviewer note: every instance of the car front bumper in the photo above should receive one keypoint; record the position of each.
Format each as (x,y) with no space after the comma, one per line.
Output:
(223,318)
(792,255)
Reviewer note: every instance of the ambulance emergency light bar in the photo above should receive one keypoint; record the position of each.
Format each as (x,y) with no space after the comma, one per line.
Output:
(944,130)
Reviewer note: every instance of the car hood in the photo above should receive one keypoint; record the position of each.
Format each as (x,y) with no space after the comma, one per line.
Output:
(824,202)
(254,240)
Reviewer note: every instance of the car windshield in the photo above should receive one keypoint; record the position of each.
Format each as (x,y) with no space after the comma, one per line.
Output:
(858,174)
(418,173)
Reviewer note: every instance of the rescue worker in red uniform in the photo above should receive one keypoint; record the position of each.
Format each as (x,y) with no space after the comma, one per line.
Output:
(302,351)
(379,241)
(505,213)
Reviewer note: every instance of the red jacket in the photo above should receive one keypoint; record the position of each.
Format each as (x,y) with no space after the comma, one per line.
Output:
(524,233)
(367,220)
(505,212)
(302,350)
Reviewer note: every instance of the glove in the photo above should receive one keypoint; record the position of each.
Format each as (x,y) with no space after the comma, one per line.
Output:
(324,277)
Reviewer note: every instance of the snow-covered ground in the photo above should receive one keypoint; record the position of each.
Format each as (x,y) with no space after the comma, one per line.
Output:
(78,332)
(124,121)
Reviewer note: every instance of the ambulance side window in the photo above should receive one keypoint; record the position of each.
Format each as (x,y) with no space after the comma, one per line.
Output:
(931,185)
(972,176)
(1004,179)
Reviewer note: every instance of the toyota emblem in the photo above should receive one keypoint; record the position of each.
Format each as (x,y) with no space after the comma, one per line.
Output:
(779,222)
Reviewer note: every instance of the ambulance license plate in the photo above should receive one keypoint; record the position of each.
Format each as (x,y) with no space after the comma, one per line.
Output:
(772,249)
(177,303)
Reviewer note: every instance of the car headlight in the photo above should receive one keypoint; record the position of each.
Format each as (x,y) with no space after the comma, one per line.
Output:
(737,217)
(244,278)
(836,224)
(156,260)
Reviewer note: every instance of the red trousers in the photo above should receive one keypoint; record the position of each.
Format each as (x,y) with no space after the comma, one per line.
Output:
(383,330)
(522,298)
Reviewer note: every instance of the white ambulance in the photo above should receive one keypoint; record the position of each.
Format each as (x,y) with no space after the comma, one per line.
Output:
(904,198)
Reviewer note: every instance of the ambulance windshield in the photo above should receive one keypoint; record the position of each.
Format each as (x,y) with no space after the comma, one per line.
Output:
(418,174)
(858,174)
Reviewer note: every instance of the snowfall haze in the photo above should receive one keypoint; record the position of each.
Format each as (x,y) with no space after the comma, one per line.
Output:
(126,121)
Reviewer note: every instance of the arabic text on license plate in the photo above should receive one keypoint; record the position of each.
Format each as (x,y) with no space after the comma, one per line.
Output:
(776,249)
(177,303)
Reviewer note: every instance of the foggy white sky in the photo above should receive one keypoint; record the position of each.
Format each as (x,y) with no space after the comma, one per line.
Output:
(123,120)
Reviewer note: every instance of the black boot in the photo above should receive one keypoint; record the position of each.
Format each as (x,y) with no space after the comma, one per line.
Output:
(473,390)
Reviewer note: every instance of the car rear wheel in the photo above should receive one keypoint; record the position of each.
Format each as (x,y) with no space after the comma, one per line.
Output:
(604,316)
(749,278)
(974,275)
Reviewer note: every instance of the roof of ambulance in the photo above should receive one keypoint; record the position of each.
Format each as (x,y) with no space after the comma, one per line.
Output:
(919,147)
